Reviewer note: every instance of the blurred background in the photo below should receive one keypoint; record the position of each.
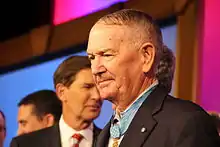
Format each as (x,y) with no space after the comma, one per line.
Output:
(37,35)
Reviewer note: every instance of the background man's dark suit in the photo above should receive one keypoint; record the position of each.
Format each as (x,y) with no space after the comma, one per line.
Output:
(164,121)
(49,137)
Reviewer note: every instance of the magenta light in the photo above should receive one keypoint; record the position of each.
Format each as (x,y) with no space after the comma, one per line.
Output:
(65,10)
(210,76)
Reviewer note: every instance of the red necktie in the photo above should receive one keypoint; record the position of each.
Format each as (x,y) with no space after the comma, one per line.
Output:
(76,139)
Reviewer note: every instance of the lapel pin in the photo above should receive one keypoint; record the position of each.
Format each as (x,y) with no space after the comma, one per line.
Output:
(143,130)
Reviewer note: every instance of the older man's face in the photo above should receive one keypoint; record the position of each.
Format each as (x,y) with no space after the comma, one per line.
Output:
(116,64)
(2,130)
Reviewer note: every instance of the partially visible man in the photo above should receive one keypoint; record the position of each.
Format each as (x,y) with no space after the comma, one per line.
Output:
(2,128)
(81,104)
(38,110)
(125,48)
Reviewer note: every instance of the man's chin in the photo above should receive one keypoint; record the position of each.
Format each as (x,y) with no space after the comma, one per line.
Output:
(92,116)
(108,92)
(106,95)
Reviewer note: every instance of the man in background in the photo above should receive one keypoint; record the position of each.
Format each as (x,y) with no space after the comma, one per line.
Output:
(38,110)
(81,104)
(2,128)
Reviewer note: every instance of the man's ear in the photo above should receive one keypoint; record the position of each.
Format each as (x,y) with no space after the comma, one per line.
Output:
(49,120)
(148,54)
(60,90)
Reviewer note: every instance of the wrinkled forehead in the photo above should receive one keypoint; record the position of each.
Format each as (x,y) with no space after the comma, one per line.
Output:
(25,111)
(107,36)
(84,76)
(109,31)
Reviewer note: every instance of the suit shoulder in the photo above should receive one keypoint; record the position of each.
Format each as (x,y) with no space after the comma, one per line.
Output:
(177,105)
(33,136)
(175,109)
(187,123)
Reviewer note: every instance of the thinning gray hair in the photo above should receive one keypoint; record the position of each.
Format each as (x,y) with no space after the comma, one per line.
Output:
(144,23)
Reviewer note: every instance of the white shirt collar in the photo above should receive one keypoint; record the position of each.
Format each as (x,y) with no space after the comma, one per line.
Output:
(66,132)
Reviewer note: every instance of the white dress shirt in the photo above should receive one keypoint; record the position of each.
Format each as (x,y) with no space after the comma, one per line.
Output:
(66,133)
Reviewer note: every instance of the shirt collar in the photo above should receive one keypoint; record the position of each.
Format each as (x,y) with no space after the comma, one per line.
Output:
(146,90)
(67,132)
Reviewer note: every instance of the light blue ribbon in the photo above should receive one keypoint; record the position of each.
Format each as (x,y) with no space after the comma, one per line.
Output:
(118,129)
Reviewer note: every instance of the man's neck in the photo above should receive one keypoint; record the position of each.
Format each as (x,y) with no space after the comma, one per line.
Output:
(76,123)
(126,102)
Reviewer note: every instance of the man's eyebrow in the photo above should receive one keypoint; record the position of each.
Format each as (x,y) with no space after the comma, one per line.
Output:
(102,51)
(89,54)
(107,49)
(22,121)
(88,84)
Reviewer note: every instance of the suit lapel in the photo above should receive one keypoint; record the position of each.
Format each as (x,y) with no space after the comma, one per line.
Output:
(144,123)
(55,140)
(103,138)
(96,132)
(139,129)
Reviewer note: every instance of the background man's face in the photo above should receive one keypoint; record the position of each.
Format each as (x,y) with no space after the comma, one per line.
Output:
(82,97)
(116,64)
(27,120)
(2,130)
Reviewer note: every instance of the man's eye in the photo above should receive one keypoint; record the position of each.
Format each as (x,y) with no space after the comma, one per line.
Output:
(107,55)
(91,57)
(88,86)
(23,123)
(2,128)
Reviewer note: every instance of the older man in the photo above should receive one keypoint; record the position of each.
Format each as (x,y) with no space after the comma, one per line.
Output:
(125,48)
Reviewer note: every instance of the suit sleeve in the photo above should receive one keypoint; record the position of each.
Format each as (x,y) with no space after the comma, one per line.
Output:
(14,143)
(198,131)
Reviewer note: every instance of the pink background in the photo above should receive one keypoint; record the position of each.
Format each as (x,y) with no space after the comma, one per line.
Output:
(66,10)
(210,75)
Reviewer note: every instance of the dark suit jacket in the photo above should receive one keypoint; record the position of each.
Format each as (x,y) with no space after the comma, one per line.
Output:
(164,121)
(49,137)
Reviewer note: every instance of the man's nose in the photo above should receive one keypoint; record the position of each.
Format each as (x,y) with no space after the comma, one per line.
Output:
(20,131)
(95,94)
(97,67)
